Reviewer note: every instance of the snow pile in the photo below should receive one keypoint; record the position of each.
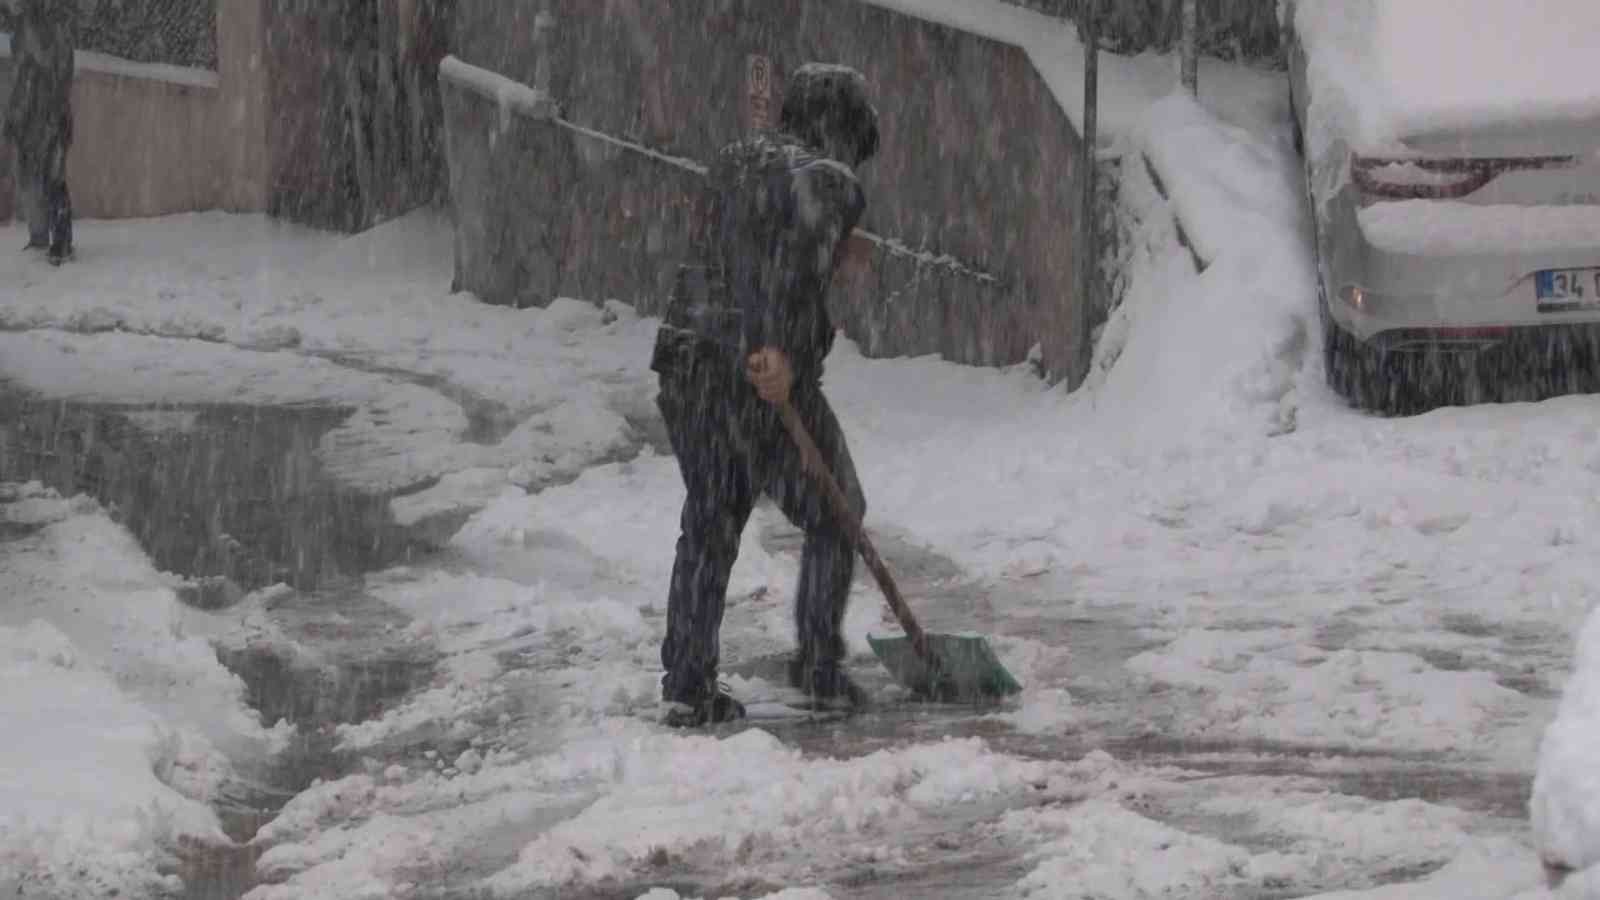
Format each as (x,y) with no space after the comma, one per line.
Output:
(1383,71)
(613,802)
(1124,844)
(1318,834)
(1566,791)
(594,654)
(1278,690)
(1104,850)
(1204,359)
(71,721)
(1486,869)
(128,727)
(784,894)
(386,835)
(748,805)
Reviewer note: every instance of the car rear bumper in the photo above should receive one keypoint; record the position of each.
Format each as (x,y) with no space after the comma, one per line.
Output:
(1555,343)
(1459,287)
(1460,317)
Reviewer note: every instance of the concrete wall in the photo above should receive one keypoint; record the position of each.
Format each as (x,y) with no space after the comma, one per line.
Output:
(311,175)
(353,108)
(544,211)
(978,163)
(142,146)
(241,117)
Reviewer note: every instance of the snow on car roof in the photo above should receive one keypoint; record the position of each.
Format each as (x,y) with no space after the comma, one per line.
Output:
(1384,70)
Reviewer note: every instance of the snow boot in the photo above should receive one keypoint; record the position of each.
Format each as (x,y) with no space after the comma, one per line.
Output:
(60,234)
(826,685)
(712,708)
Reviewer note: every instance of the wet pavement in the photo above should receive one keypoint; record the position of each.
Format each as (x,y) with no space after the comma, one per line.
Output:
(211,492)
(232,497)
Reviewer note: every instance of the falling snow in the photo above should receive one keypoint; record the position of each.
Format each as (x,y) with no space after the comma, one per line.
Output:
(321,578)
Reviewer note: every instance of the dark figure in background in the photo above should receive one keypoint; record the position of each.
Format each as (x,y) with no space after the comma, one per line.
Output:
(747,329)
(39,119)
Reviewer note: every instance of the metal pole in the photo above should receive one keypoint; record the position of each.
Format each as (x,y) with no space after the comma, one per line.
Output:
(1190,75)
(1089,31)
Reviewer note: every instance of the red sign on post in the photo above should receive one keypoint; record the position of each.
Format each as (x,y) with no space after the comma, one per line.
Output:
(758,91)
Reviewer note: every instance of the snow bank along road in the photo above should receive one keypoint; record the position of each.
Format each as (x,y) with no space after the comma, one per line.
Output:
(1272,648)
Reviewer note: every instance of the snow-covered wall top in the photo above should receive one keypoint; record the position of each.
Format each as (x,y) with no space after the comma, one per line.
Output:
(105,64)
(510,95)
(1381,71)
(90,61)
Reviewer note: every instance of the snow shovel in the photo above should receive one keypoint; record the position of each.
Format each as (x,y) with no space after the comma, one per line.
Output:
(944,667)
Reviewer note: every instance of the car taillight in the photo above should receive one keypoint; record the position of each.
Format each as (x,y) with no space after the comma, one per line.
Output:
(1389,178)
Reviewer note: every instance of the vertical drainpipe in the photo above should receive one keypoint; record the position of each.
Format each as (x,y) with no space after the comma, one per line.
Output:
(1190,72)
(1089,31)
(543,24)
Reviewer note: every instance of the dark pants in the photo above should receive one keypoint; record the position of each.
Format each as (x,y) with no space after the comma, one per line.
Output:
(731,448)
(44,201)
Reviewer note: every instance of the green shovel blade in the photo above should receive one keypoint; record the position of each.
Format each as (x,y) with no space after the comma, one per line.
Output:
(964,667)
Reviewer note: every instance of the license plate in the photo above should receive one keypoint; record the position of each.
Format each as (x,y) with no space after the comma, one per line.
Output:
(1562,290)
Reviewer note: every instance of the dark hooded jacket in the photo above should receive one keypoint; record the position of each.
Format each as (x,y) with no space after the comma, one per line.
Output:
(39,115)
(772,229)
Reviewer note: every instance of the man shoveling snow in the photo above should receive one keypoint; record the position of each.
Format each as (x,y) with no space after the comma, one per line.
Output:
(747,330)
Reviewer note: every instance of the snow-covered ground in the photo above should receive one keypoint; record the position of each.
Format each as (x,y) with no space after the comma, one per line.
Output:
(122,727)
(1320,594)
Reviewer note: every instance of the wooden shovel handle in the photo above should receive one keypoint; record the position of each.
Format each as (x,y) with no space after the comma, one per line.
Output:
(811,460)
